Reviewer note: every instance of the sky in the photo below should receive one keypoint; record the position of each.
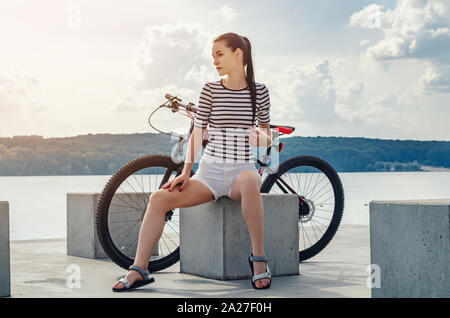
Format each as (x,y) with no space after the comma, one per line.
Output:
(353,68)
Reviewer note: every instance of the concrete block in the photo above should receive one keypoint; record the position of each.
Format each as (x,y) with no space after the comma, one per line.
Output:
(215,243)
(5,270)
(410,242)
(125,210)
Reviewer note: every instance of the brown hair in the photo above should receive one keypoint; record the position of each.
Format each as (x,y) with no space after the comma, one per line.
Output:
(235,41)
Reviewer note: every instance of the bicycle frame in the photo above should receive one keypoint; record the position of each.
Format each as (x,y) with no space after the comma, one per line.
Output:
(182,140)
(174,103)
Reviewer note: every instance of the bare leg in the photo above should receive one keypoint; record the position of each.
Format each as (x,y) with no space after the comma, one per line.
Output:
(153,223)
(253,213)
(149,234)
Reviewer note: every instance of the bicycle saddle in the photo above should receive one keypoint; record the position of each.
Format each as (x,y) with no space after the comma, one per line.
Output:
(283,129)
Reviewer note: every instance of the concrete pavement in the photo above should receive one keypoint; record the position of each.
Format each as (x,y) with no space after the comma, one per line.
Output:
(41,268)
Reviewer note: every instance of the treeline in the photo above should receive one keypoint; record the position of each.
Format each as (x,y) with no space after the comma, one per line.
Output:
(354,154)
(103,154)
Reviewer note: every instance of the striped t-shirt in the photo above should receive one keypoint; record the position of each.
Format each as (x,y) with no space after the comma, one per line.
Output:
(227,115)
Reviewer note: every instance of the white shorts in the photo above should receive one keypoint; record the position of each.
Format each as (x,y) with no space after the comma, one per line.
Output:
(219,177)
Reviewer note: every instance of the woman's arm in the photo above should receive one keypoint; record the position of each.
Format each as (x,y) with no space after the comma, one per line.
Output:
(261,137)
(266,133)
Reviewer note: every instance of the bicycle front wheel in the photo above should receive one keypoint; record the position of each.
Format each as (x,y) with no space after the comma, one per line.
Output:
(321,199)
(122,206)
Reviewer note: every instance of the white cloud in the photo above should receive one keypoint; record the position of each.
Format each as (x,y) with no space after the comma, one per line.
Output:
(19,92)
(435,79)
(126,104)
(364,42)
(167,53)
(175,59)
(418,29)
(225,12)
(414,29)
(352,107)
(304,92)
(317,102)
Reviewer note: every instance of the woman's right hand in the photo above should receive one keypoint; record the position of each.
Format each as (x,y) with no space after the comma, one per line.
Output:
(182,179)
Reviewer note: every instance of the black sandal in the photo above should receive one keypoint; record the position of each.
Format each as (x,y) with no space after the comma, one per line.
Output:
(139,283)
(267,274)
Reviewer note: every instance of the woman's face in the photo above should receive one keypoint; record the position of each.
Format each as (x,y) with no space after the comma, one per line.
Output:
(225,60)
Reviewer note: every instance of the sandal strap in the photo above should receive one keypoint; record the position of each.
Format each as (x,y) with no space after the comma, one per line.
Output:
(260,276)
(125,282)
(258,258)
(144,273)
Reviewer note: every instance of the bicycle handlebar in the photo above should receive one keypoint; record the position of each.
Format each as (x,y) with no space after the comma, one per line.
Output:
(175,102)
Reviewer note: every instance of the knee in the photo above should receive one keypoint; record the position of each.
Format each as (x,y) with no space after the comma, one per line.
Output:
(249,183)
(159,198)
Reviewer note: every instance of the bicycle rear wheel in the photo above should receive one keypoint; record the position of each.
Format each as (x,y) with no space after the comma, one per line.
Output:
(321,199)
(122,206)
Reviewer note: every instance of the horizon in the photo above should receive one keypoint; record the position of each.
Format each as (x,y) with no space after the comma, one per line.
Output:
(156,133)
(358,69)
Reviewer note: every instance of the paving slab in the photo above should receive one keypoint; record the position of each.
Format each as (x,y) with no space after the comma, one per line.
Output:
(42,268)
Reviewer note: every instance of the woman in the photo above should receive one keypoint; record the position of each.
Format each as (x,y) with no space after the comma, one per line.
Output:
(231,108)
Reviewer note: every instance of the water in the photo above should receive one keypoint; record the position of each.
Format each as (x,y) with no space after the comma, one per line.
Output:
(38,204)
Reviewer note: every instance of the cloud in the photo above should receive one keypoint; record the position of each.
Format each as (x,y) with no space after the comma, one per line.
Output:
(225,12)
(19,92)
(304,92)
(379,109)
(413,29)
(317,102)
(364,42)
(436,79)
(173,58)
(126,104)
(171,54)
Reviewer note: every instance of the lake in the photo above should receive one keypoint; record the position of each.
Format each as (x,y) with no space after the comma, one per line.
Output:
(38,203)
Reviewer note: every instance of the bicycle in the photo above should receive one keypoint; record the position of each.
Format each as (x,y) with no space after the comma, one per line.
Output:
(320,194)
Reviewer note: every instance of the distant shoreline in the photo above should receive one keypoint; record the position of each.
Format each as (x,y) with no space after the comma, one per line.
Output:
(428,169)
(104,154)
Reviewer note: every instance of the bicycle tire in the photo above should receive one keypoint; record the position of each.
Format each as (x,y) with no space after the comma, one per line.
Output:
(103,209)
(312,162)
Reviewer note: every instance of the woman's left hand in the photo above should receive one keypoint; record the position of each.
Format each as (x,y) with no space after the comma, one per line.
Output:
(257,138)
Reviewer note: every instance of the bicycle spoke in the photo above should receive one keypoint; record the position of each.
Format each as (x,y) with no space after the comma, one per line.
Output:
(313,197)
(314,231)
(164,241)
(126,233)
(123,211)
(306,190)
(303,234)
(171,227)
(316,216)
(317,183)
(128,195)
(321,195)
(325,210)
(143,192)
(134,190)
(315,221)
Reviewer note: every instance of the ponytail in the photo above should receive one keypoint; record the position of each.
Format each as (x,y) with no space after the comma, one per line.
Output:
(250,74)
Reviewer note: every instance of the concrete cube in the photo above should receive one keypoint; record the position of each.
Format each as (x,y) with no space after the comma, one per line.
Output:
(5,271)
(124,219)
(215,243)
(410,245)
